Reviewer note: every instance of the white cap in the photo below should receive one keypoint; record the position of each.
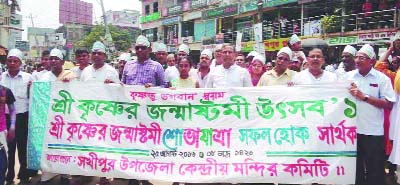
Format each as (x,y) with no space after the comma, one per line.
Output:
(286,50)
(259,58)
(142,40)
(253,54)
(207,52)
(161,47)
(368,50)
(99,46)
(293,39)
(350,49)
(56,53)
(125,57)
(16,53)
(184,48)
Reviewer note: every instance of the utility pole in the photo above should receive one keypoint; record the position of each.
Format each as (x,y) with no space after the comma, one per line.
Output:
(36,39)
(108,38)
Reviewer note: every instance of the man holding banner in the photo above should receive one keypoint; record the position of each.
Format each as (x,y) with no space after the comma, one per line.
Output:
(374,93)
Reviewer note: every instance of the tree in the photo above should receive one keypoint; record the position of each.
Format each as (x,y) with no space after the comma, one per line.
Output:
(122,38)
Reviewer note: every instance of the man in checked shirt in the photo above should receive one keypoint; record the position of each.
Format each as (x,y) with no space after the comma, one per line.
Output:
(143,71)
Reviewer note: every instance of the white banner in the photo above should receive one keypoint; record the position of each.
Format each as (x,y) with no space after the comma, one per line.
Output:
(255,135)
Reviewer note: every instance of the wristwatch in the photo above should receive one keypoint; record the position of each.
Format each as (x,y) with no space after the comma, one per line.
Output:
(366,97)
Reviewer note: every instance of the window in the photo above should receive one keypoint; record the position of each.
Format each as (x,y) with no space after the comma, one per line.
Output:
(155,7)
(151,34)
(187,29)
(147,10)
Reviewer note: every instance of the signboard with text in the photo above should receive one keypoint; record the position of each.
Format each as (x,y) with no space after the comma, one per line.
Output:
(221,12)
(349,40)
(301,134)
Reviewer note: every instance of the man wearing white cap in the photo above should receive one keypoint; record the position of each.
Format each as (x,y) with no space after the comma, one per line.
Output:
(204,67)
(183,51)
(161,54)
(229,74)
(122,60)
(348,63)
(374,92)
(143,71)
(280,74)
(298,56)
(99,71)
(56,73)
(17,81)
(83,59)
(314,74)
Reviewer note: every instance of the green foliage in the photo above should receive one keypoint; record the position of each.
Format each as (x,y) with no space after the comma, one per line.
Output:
(330,23)
(122,38)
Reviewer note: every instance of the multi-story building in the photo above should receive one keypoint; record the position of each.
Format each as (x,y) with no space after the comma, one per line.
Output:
(10,23)
(123,18)
(203,23)
(37,38)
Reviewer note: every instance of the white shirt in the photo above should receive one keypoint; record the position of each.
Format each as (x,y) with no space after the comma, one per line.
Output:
(305,77)
(36,75)
(77,72)
(171,73)
(235,76)
(19,87)
(48,77)
(202,81)
(99,75)
(375,84)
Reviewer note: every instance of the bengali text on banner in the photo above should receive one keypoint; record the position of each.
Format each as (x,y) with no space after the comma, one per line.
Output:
(301,134)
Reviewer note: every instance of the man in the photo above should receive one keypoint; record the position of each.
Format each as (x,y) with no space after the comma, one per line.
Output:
(17,81)
(99,71)
(229,74)
(122,60)
(82,59)
(280,74)
(348,63)
(161,55)
(45,62)
(298,56)
(143,71)
(218,60)
(56,73)
(374,92)
(314,74)
(204,67)
(183,51)
(269,66)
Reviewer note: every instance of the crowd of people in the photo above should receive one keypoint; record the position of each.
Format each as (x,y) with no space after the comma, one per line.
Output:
(375,84)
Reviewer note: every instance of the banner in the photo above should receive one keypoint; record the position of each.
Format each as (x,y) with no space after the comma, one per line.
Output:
(301,134)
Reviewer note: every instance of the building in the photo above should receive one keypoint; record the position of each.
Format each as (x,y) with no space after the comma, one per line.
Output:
(10,23)
(204,23)
(38,42)
(75,11)
(123,18)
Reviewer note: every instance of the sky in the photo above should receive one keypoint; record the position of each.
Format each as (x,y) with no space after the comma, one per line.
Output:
(45,12)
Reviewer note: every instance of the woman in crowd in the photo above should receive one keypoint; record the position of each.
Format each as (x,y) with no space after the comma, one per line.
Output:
(257,69)
(185,80)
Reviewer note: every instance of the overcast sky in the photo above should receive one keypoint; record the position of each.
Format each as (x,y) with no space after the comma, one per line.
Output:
(45,12)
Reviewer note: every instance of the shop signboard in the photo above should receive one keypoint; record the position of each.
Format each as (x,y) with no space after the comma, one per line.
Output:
(373,37)
(221,12)
(191,15)
(248,6)
(198,4)
(248,46)
(176,9)
(149,18)
(275,44)
(349,40)
(172,20)
(186,39)
(273,3)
